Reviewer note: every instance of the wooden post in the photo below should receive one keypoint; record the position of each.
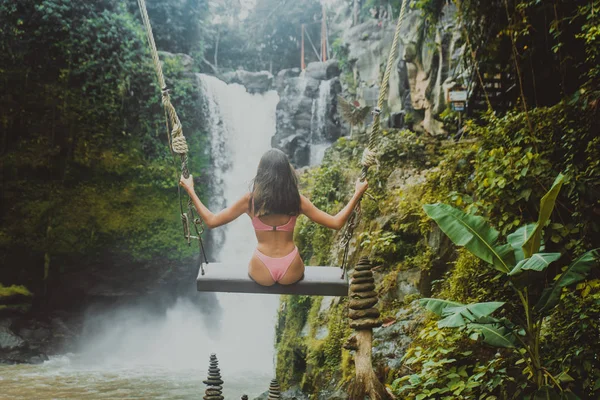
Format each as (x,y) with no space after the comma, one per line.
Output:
(363,318)
(302,64)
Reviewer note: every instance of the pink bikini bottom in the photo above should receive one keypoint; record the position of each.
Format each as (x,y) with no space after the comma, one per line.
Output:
(277,266)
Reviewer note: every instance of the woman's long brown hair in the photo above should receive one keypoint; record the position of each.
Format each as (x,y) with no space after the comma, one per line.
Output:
(275,187)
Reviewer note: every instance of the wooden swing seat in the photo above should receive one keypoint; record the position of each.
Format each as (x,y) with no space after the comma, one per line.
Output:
(233,278)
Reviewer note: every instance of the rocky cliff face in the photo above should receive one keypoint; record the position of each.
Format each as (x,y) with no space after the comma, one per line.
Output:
(307,116)
(427,66)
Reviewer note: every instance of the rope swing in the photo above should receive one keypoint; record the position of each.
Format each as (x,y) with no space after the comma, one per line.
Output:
(177,142)
(369,157)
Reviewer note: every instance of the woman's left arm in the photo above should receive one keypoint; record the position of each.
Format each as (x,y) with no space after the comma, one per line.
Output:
(212,220)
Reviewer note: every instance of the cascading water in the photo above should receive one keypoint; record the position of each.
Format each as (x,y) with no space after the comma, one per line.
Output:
(241,126)
(318,124)
(134,352)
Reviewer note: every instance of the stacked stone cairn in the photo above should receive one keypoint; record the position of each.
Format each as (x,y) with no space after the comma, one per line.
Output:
(274,390)
(214,382)
(363,298)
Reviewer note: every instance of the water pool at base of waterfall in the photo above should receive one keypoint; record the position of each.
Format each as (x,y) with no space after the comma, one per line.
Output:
(66,377)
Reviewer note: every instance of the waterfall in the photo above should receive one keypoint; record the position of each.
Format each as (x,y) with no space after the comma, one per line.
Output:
(139,342)
(318,124)
(241,126)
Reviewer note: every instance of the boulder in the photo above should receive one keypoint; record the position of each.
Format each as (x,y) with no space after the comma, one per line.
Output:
(254,82)
(15,350)
(407,282)
(10,340)
(393,340)
(328,394)
(22,356)
(323,71)
(294,394)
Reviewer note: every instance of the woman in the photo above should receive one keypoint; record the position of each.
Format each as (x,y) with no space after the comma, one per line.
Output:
(273,206)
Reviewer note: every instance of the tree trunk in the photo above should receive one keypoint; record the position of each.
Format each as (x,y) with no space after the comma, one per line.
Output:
(217,49)
(355,12)
(366,382)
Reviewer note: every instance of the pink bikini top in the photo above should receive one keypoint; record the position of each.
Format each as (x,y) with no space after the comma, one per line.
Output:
(287,227)
(261,226)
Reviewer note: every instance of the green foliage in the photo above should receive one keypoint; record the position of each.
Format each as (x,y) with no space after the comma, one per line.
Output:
(85,165)
(473,233)
(587,17)
(570,344)
(533,242)
(573,273)
(177,25)
(268,39)
(476,236)
(547,41)
(442,368)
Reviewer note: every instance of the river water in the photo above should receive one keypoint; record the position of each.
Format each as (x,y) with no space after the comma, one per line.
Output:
(132,353)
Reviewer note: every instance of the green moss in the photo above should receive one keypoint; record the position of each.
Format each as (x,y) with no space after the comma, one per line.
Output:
(325,355)
(469,281)
(291,346)
(14,290)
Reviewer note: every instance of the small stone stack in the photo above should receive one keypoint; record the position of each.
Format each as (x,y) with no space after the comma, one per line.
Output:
(274,390)
(244,397)
(363,298)
(214,382)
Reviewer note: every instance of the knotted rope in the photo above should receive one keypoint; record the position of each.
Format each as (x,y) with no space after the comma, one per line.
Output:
(369,157)
(177,142)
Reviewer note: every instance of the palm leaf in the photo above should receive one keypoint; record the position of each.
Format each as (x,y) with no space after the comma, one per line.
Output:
(495,335)
(360,114)
(438,306)
(518,238)
(473,233)
(576,272)
(532,245)
(537,262)
(345,108)
(457,316)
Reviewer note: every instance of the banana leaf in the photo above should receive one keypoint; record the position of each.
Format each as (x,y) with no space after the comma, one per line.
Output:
(494,335)
(576,272)
(518,238)
(546,393)
(438,305)
(532,245)
(457,314)
(473,233)
(537,262)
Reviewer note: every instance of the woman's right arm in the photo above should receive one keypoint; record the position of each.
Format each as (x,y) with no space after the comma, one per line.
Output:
(210,219)
(333,221)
